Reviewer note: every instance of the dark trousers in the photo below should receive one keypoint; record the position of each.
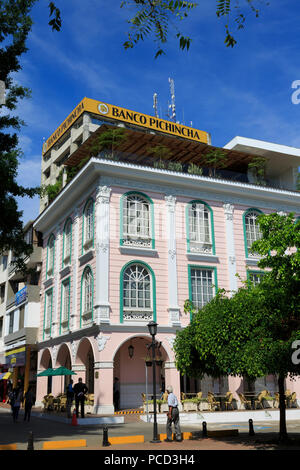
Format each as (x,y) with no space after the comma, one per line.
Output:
(79,401)
(117,400)
(174,419)
(15,412)
(27,412)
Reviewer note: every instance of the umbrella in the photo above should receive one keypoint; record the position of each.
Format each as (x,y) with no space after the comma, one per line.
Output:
(5,375)
(62,371)
(59,371)
(45,373)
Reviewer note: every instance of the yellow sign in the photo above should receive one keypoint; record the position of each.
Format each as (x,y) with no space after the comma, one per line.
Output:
(111,112)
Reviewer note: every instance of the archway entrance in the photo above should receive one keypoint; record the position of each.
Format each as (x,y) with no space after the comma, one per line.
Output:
(85,356)
(46,363)
(64,359)
(135,377)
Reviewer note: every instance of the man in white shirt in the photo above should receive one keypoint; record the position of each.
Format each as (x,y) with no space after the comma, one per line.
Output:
(172,416)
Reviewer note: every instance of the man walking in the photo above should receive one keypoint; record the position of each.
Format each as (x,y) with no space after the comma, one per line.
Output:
(29,402)
(173,416)
(80,389)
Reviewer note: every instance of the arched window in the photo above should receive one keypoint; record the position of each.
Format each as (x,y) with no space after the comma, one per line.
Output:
(137,292)
(88,226)
(67,243)
(251,229)
(87,296)
(137,220)
(200,236)
(50,256)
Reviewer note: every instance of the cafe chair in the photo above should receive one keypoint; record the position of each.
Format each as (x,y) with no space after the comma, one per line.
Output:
(212,402)
(228,400)
(260,399)
(244,401)
(293,400)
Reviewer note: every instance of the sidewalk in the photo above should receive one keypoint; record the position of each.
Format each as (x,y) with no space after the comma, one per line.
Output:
(55,428)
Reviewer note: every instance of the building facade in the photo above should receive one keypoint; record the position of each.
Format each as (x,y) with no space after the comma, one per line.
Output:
(125,243)
(19,313)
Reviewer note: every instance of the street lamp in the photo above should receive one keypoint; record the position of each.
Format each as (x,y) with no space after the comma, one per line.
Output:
(152,327)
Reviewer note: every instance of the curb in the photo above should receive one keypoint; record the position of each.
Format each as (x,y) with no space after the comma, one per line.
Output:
(52,445)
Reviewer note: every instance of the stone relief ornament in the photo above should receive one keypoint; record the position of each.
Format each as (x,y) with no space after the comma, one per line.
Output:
(74,349)
(103,194)
(171,340)
(228,209)
(170,202)
(102,340)
(54,353)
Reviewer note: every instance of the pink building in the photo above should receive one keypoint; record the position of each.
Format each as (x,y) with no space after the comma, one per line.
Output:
(125,244)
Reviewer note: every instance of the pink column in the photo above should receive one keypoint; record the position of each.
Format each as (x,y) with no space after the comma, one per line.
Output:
(103,387)
(173,378)
(235,386)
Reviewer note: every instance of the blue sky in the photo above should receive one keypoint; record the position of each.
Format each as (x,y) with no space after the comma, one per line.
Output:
(243,91)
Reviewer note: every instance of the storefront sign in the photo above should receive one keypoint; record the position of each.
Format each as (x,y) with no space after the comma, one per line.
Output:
(21,296)
(116,113)
(15,357)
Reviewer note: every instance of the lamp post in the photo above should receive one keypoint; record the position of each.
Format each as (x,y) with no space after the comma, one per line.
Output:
(152,327)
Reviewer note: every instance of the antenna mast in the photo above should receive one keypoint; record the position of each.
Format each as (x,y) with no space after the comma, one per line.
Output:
(155,105)
(172,105)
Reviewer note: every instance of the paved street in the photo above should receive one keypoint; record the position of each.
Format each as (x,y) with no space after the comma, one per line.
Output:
(45,430)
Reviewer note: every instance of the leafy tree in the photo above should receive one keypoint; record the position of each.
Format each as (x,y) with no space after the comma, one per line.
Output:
(160,151)
(215,159)
(258,168)
(109,141)
(157,17)
(251,333)
(15,25)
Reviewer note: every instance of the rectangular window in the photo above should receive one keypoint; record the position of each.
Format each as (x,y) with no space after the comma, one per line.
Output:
(11,323)
(2,293)
(255,277)
(202,286)
(200,230)
(48,309)
(65,301)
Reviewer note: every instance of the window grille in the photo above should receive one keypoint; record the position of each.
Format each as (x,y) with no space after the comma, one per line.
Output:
(202,286)
(137,293)
(200,235)
(252,230)
(136,221)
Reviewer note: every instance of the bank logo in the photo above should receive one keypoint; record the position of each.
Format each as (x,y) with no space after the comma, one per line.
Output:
(103,108)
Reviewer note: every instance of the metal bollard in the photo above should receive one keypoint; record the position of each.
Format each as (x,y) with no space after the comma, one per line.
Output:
(105,442)
(251,429)
(204,429)
(30,441)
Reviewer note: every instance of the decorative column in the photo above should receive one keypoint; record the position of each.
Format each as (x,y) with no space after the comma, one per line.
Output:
(228,211)
(102,305)
(74,281)
(172,261)
(55,299)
